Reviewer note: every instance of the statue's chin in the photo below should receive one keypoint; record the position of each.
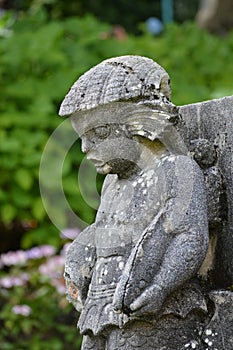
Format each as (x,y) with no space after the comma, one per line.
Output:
(118,166)
(104,170)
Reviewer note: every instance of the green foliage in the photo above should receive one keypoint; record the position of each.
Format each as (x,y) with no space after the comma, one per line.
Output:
(40,60)
(127,13)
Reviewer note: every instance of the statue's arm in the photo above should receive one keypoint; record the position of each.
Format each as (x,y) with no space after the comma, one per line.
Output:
(80,261)
(173,246)
(185,222)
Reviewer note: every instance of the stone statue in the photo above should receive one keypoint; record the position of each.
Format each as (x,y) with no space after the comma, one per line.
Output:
(140,274)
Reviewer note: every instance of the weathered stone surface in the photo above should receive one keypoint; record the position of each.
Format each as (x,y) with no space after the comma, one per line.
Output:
(141,275)
(212,122)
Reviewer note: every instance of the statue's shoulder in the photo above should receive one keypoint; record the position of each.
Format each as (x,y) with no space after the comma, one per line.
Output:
(180,163)
(109,180)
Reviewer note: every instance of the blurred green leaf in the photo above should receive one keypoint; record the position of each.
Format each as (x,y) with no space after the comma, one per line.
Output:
(8,213)
(24,179)
(38,209)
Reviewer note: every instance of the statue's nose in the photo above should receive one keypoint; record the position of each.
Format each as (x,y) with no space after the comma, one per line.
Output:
(87,145)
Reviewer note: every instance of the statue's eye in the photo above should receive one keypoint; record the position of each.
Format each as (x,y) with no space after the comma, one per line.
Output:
(102,132)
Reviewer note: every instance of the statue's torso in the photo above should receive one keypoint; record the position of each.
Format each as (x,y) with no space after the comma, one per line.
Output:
(127,207)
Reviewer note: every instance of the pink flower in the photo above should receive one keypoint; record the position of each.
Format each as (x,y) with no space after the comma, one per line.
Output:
(6,282)
(23,310)
(47,250)
(14,258)
(40,252)
(53,268)
(20,257)
(12,281)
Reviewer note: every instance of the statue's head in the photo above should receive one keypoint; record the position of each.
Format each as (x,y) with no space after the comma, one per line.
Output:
(121,98)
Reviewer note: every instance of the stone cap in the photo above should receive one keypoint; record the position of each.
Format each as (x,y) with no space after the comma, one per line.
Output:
(124,78)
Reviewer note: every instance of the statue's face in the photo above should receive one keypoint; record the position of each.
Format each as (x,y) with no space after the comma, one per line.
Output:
(111,150)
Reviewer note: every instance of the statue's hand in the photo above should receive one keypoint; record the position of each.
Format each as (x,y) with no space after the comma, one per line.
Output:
(149,302)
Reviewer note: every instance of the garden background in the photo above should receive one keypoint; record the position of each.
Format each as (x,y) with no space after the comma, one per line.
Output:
(45,45)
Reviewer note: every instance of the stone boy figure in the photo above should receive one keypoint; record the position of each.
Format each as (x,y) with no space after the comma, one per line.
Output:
(132,273)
